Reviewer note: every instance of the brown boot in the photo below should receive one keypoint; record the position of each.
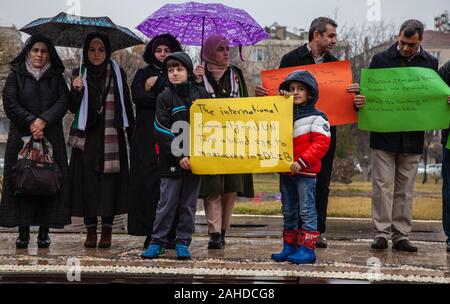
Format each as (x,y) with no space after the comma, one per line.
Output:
(105,239)
(91,237)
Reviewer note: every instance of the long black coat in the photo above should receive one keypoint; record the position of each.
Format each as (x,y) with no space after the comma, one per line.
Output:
(400,142)
(144,177)
(444,71)
(92,192)
(24,100)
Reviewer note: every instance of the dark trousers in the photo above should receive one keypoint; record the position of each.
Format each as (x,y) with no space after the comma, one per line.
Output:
(93,221)
(178,194)
(446,192)
(323,184)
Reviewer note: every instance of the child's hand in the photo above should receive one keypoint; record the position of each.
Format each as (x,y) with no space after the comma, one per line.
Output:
(185,163)
(295,167)
(285,93)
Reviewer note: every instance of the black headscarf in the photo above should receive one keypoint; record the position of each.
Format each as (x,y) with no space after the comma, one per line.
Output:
(168,40)
(19,61)
(96,73)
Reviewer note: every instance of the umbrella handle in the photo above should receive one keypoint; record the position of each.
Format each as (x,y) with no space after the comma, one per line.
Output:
(81,63)
(203,37)
(81,57)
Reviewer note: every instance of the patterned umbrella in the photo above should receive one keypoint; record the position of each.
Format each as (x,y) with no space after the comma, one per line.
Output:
(70,30)
(193,22)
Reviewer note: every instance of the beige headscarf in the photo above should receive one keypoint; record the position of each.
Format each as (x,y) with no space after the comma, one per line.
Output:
(209,55)
(37,73)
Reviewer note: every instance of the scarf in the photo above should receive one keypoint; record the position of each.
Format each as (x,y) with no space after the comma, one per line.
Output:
(35,72)
(111,145)
(216,68)
(235,91)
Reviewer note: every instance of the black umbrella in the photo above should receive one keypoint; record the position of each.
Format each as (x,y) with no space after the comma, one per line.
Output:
(70,31)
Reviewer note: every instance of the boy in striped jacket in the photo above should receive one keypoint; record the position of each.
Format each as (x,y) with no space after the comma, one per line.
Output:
(311,142)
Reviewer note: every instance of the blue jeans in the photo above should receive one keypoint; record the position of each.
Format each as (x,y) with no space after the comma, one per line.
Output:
(298,196)
(446,192)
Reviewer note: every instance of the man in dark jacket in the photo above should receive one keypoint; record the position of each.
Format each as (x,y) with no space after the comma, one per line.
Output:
(322,39)
(396,155)
(445,74)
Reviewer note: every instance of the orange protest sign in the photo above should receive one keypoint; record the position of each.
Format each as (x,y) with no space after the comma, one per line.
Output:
(333,79)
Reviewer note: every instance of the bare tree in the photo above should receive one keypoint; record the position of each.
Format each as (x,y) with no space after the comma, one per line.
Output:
(363,41)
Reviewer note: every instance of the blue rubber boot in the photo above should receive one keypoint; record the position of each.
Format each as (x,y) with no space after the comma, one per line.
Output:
(289,246)
(153,251)
(288,250)
(182,252)
(307,241)
(304,255)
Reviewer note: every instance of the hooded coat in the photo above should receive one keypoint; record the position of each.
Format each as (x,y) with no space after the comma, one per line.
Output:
(144,178)
(173,106)
(24,100)
(312,135)
(92,192)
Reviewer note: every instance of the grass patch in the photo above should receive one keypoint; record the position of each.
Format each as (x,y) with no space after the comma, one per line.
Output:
(351,207)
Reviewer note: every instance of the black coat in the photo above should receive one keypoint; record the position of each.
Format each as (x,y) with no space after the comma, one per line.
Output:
(301,56)
(400,142)
(444,71)
(92,192)
(144,178)
(173,106)
(24,100)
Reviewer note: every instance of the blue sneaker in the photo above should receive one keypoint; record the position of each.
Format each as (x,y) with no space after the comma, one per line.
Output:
(182,252)
(153,251)
(304,255)
(288,250)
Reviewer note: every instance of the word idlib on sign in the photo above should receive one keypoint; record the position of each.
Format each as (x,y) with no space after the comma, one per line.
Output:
(241,136)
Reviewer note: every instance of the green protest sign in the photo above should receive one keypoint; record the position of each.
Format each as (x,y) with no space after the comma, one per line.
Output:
(448,143)
(403,99)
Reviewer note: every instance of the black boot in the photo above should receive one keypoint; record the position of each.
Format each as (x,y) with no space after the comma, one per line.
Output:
(215,241)
(223,237)
(24,237)
(43,240)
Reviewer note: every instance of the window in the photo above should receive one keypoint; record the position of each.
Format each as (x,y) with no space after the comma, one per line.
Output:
(259,55)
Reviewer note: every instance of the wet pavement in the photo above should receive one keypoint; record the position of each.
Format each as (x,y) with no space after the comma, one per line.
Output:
(246,258)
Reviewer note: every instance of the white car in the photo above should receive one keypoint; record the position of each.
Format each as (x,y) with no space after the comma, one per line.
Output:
(434,170)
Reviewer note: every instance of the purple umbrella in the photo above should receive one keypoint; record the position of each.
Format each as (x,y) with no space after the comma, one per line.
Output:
(193,22)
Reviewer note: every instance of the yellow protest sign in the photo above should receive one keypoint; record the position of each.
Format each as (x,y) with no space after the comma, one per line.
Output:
(241,135)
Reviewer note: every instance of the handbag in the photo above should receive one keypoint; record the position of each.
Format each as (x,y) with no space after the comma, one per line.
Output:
(39,176)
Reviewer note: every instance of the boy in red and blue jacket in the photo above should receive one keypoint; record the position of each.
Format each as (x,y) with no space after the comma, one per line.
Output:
(311,142)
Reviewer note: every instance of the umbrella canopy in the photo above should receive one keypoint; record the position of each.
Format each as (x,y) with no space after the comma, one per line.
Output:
(193,22)
(70,31)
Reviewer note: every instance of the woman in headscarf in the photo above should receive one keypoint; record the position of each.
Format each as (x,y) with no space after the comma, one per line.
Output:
(35,99)
(220,192)
(148,83)
(99,174)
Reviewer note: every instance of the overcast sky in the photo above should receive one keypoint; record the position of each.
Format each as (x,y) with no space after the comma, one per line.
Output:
(292,13)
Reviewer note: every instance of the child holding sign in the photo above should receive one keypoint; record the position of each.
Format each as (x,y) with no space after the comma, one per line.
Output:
(179,187)
(311,142)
